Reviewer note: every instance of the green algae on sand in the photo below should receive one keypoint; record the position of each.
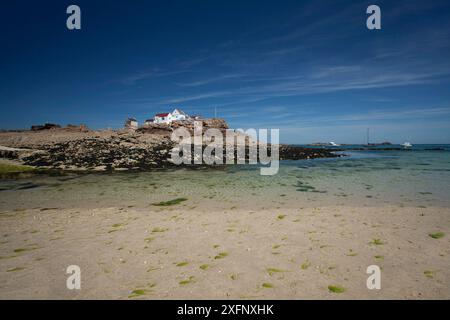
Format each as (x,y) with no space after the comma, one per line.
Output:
(376,242)
(19,250)
(271,271)
(157,230)
(137,293)
(221,255)
(336,289)
(186,281)
(305,265)
(6,168)
(170,202)
(437,235)
(428,273)
(15,269)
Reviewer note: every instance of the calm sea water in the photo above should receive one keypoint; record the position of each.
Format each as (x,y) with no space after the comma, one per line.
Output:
(417,177)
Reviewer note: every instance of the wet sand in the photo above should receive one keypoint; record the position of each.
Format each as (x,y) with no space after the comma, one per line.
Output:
(181,252)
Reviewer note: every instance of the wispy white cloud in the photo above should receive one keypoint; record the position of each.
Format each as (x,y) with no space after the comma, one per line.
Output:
(293,120)
(210,80)
(325,80)
(156,73)
(193,62)
(195,97)
(410,113)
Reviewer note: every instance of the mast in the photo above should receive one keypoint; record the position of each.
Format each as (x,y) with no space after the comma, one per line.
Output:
(368,132)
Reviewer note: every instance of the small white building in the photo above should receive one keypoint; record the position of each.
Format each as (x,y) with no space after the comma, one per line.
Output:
(175,115)
(131,124)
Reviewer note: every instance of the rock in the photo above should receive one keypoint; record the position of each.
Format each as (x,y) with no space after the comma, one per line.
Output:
(76,128)
(46,126)
(13,153)
(69,148)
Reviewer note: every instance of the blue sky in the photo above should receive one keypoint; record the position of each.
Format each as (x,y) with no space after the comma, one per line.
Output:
(310,68)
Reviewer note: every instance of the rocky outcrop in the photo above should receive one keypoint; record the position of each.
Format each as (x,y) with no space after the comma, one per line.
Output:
(74,148)
(76,128)
(52,126)
(167,129)
(288,152)
(215,123)
(13,153)
(124,152)
(120,151)
(157,129)
(46,126)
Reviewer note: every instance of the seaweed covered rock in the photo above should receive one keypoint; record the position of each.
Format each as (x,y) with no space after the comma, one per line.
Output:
(117,152)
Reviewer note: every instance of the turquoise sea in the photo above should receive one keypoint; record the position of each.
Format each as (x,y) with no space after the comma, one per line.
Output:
(416,177)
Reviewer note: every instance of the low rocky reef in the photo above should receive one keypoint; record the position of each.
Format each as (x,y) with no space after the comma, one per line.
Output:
(117,152)
(126,152)
(144,149)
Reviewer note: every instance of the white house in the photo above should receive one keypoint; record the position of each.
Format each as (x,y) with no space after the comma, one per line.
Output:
(162,118)
(178,115)
(175,115)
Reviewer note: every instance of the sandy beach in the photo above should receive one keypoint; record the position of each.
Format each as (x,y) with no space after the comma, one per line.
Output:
(309,232)
(179,252)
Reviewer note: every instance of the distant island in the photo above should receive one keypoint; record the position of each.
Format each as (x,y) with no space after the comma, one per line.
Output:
(333,144)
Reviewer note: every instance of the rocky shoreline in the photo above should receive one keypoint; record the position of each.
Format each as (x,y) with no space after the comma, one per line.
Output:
(109,150)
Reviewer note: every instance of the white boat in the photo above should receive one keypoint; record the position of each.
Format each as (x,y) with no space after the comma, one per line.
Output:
(334,144)
(407,145)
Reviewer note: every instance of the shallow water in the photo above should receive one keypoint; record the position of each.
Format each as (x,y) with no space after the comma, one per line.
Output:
(365,178)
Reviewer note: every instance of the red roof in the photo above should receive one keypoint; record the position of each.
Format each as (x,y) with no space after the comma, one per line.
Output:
(162,115)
